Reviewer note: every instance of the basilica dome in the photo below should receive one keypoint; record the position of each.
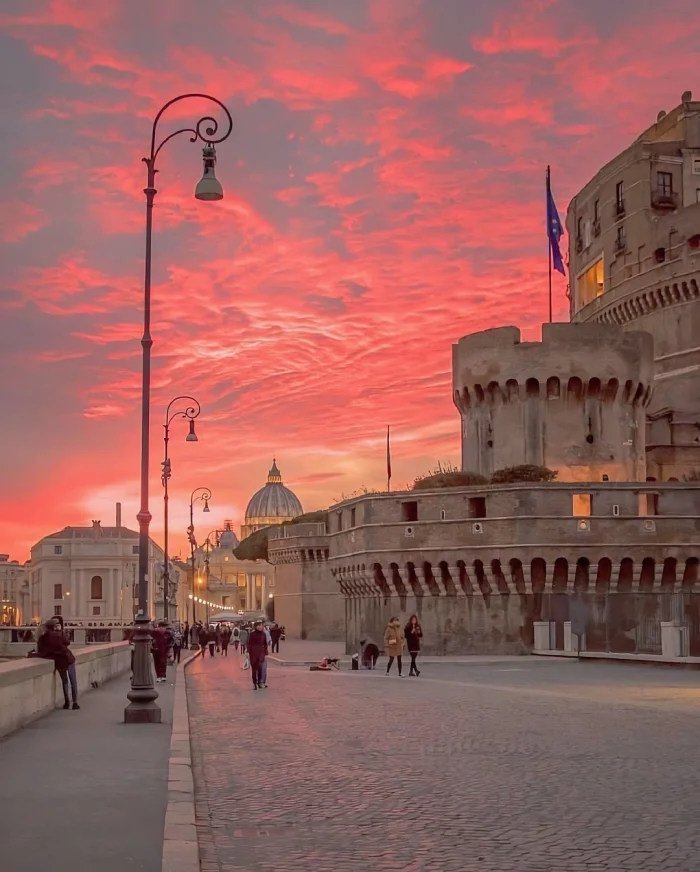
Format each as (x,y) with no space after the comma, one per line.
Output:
(272,504)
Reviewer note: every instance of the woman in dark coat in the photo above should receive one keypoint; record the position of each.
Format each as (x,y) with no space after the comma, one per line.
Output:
(413,634)
(53,645)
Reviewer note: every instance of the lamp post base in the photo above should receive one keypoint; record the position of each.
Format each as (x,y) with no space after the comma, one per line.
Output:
(142,708)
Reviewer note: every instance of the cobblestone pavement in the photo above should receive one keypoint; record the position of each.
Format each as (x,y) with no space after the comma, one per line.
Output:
(535,767)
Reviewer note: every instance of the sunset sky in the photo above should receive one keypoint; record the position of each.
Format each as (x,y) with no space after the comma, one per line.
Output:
(384,195)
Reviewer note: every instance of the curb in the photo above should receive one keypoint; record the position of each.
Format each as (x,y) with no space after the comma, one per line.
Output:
(180,847)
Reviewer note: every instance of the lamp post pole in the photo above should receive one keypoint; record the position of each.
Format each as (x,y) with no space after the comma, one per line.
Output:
(142,696)
(207,571)
(189,413)
(199,493)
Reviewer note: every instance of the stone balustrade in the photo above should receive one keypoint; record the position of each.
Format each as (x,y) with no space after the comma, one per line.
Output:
(30,688)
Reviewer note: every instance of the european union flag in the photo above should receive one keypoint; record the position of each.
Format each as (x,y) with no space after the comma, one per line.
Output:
(554,230)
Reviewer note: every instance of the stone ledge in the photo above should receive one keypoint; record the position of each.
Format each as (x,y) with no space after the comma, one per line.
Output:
(689,662)
(180,847)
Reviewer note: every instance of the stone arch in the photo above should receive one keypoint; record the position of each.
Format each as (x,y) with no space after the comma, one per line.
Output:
(611,389)
(538,574)
(638,394)
(499,578)
(582,574)
(690,573)
(593,388)
(625,578)
(397,581)
(429,578)
(479,393)
(380,581)
(493,390)
(512,390)
(532,388)
(668,573)
(466,398)
(481,580)
(604,574)
(464,580)
(517,575)
(450,588)
(647,574)
(627,392)
(574,389)
(553,388)
(560,576)
(413,580)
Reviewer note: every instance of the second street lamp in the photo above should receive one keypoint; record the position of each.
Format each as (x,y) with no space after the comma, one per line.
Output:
(199,493)
(190,412)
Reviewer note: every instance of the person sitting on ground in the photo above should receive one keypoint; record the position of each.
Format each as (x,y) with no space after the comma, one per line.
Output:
(369,654)
(53,645)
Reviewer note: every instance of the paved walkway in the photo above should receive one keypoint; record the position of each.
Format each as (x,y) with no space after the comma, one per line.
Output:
(535,766)
(82,790)
(296,651)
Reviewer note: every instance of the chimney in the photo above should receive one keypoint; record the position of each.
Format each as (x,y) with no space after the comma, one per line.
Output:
(119,518)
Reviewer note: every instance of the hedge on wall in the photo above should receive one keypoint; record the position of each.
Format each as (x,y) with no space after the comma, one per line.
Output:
(526,472)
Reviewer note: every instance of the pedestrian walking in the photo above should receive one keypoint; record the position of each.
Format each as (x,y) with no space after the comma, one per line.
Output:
(236,636)
(217,630)
(245,634)
(53,644)
(257,651)
(225,639)
(393,644)
(186,636)
(211,640)
(413,633)
(203,636)
(177,644)
(275,633)
(268,637)
(159,649)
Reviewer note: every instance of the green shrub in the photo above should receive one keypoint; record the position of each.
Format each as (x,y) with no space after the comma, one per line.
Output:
(453,478)
(526,472)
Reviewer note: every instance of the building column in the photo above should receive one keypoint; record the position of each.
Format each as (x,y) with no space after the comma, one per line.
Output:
(249,590)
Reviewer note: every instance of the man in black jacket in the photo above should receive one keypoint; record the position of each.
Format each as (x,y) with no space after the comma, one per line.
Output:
(257,651)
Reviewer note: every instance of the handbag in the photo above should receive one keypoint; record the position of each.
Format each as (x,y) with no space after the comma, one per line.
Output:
(246,663)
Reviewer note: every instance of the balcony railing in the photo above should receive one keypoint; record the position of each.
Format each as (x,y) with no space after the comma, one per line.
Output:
(619,208)
(662,198)
(620,244)
(596,228)
(579,244)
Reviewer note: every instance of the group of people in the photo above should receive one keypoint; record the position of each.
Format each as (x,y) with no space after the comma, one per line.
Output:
(396,638)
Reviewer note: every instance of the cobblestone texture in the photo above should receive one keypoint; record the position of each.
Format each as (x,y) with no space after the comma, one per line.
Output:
(556,767)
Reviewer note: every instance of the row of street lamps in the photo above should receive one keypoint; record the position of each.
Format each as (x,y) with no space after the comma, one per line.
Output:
(142,707)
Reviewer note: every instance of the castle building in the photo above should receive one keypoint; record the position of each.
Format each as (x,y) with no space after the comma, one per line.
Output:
(609,402)
(272,504)
(634,254)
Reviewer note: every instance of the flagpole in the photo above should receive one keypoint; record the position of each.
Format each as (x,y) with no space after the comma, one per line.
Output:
(549,243)
(388,461)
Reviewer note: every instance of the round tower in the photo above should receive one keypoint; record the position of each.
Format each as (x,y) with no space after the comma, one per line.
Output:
(574,402)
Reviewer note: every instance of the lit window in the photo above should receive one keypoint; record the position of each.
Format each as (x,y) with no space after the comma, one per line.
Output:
(581,505)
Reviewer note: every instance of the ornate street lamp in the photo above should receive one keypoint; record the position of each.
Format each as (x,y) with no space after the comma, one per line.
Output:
(199,493)
(142,696)
(190,413)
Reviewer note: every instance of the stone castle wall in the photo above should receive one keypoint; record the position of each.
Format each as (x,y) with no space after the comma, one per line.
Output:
(574,402)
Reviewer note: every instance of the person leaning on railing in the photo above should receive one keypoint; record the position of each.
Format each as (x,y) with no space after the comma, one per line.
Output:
(53,644)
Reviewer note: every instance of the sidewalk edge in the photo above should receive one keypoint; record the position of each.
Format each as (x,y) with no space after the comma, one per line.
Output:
(180,847)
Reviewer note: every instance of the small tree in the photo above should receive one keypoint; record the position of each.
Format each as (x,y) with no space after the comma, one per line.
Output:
(525,472)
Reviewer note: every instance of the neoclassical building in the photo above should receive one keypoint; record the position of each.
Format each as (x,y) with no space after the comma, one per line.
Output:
(12,590)
(231,583)
(89,575)
(272,504)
